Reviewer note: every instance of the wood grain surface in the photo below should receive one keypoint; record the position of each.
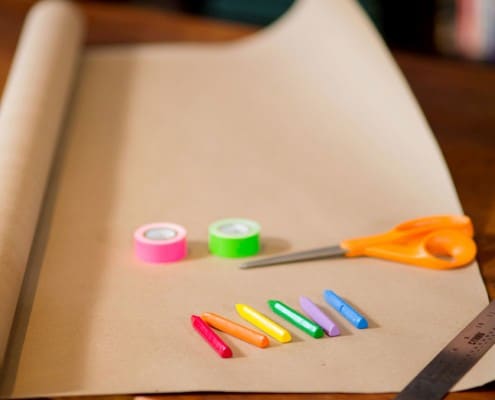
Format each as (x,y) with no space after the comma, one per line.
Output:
(457,97)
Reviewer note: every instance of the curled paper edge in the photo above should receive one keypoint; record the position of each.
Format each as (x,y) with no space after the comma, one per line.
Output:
(31,114)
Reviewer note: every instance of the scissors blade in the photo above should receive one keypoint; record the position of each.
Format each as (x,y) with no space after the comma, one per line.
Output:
(315,254)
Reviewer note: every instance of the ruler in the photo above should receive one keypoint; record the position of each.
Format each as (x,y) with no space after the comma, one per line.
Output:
(455,360)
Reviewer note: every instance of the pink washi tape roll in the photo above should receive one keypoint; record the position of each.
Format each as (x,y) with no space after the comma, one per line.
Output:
(160,242)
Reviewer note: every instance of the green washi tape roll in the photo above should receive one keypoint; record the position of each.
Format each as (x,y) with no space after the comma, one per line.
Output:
(234,237)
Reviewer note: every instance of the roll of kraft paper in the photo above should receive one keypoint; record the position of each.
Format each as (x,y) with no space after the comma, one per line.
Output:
(32,112)
(234,237)
(160,242)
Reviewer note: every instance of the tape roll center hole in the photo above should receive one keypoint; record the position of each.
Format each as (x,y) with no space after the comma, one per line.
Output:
(160,234)
(234,229)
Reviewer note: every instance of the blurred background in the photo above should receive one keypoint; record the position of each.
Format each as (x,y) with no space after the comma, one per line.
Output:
(454,28)
(462,29)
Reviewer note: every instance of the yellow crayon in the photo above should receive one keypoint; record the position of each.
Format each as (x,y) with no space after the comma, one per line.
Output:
(264,323)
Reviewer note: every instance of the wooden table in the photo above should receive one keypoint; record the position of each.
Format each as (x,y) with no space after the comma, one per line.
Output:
(458,99)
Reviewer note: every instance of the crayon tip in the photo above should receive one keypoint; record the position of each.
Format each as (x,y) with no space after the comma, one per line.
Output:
(226,353)
(333,331)
(264,342)
(285,337)
(318,333)
(362,324)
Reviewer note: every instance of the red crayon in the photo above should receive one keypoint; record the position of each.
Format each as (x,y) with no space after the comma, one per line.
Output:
(211,337)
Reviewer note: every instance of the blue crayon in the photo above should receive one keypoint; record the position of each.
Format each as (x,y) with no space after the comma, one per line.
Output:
(345,310)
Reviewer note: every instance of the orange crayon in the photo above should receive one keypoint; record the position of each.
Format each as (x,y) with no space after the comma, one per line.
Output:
(235,329)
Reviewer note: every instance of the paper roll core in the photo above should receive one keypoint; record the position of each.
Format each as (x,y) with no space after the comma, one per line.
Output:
(160,233)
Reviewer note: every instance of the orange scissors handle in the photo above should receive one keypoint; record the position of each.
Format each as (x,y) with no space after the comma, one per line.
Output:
(438,242)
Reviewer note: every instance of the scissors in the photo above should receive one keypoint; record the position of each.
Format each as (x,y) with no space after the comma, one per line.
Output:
(437,242)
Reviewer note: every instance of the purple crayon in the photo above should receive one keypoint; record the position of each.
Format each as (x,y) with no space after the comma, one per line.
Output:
(319,316)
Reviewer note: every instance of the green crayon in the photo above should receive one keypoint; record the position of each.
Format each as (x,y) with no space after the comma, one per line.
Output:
(296,318)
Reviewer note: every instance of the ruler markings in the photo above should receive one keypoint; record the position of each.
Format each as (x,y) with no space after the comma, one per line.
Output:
(455,360)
